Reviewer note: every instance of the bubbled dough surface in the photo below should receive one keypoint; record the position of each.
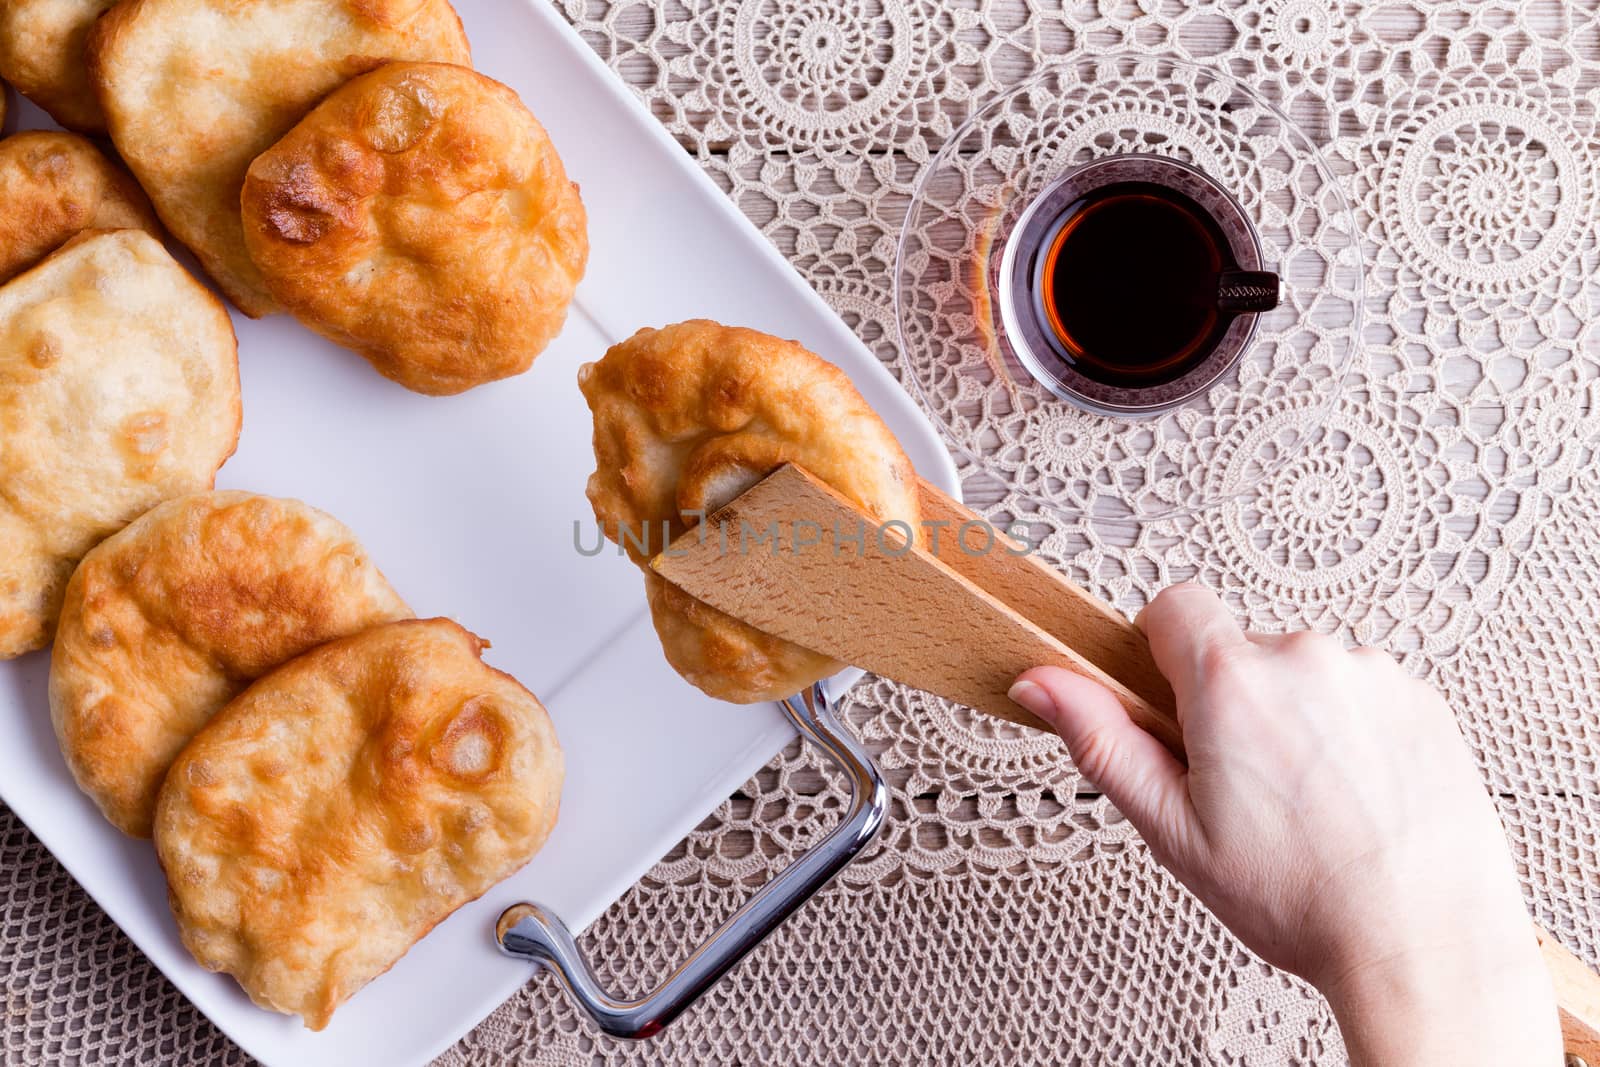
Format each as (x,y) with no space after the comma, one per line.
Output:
(421,216)
(346,803)
(42,46)
(688,417)
(119,388)
(167,620)
(54,186)
(195,89)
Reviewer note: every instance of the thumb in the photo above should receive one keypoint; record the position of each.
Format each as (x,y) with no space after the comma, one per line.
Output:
(1132,768)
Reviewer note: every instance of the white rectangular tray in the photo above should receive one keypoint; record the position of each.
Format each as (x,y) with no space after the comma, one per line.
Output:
(459,500)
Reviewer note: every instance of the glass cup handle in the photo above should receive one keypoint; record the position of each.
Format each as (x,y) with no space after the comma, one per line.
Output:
(530,932)
(1242,291)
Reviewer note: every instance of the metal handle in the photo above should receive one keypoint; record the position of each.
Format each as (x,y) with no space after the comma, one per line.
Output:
(1241,292)
(530,932)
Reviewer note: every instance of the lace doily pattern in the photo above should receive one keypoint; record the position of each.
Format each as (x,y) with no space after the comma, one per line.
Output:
(817,72)
(1265,1017)
(1447,507)
(75,989)
(1005,992)
(1485,197)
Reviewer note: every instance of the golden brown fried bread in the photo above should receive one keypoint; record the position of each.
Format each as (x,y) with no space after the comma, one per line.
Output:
(168,619)
(119,388)
(194,90)
(42,53)
(55,185)
(421,216)
(688,417)
(345,804)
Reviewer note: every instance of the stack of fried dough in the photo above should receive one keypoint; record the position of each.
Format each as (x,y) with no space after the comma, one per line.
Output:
(337,159)
(325,777)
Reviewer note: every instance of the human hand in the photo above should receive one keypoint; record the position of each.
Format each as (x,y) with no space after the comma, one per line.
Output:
(1331,816)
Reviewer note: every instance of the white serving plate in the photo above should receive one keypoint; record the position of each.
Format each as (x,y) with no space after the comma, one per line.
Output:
(469,504)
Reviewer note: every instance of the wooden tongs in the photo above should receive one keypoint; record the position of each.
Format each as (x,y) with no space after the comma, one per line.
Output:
(960,618)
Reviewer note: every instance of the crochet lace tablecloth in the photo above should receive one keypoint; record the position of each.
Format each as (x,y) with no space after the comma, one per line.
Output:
(1451,515)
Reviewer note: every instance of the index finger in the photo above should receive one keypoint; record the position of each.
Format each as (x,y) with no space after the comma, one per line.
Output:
(1187,625)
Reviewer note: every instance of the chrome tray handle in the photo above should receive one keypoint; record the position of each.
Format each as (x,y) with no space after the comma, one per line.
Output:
(530,932)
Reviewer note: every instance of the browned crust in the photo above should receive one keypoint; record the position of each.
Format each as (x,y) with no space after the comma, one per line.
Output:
(421,217)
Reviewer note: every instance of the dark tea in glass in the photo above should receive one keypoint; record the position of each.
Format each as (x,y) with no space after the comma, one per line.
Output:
(1135,283)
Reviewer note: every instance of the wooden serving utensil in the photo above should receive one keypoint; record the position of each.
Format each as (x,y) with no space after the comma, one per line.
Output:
(962,623)
(959,619)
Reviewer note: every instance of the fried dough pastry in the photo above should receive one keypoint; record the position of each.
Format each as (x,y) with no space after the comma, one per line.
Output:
(119,388)
(688,417)
(345,804)
(193,90)
(420,216)
(42,54)
(55,185)
(168,619)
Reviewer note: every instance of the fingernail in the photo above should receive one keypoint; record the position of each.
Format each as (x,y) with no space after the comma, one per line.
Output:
(1032,696)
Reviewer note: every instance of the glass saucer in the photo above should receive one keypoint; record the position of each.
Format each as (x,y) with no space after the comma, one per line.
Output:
(1220,442)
